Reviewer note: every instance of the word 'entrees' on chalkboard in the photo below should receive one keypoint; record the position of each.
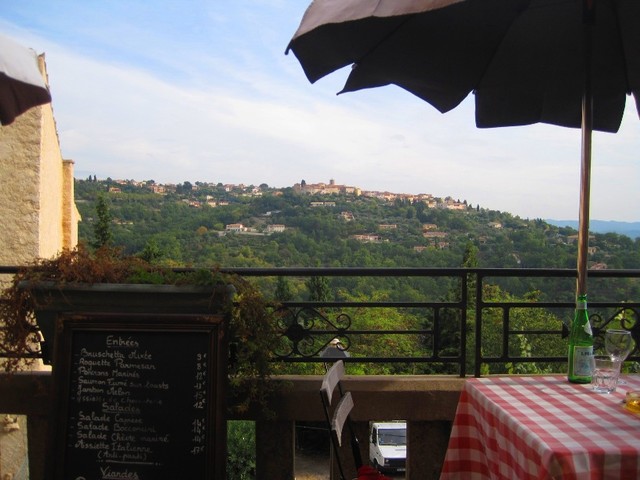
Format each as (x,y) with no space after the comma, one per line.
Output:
(140,397)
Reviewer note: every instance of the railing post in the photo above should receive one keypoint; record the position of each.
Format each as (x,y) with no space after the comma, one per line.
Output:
(38,445)
(275,450)
(428,442)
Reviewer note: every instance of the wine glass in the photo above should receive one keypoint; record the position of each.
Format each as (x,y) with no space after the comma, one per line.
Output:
(618,344)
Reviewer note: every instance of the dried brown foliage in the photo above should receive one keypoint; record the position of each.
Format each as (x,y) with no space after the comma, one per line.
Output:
(252,326)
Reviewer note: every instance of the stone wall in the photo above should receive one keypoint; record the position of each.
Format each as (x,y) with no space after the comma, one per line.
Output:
(39,216)
(39,219)
(20,148)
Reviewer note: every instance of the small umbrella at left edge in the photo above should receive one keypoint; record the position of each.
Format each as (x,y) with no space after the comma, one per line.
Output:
(21,83)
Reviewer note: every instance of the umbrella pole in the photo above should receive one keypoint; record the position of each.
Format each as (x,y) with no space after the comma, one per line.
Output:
(585,181)
(587,133)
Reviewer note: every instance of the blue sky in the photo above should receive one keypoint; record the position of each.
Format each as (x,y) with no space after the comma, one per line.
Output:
(193,90)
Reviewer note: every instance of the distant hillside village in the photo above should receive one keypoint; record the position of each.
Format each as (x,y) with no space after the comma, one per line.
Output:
(430,231)
(399,222)
(321,188)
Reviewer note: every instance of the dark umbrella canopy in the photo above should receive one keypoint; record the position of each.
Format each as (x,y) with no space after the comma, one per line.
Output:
(564,62)
(21,84)
(523,59)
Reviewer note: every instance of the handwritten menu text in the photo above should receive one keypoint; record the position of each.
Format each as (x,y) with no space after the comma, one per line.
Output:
(138,404)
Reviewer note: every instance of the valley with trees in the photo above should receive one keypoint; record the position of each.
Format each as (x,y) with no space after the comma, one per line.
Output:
(189,226)
(207,226)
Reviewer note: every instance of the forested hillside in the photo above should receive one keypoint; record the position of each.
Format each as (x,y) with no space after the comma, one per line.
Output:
(190,226)
(214,225)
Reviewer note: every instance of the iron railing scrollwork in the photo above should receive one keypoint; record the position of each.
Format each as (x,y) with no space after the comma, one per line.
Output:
(477,328)
(310,330)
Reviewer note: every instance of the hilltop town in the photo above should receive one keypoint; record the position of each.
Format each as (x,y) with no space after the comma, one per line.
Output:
(202,194)
(321,188)
(323,223)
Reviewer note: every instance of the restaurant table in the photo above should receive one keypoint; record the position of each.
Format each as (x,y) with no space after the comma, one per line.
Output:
(542,427)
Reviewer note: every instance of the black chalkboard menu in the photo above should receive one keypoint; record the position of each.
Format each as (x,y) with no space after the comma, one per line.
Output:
(140,397)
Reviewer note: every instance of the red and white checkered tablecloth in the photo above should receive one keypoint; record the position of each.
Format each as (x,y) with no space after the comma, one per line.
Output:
(542,427)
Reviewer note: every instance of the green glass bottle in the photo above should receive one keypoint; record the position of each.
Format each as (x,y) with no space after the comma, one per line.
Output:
(580,344)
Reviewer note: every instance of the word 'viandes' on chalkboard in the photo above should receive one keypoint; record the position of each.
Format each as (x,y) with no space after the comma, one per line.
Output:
(140,397)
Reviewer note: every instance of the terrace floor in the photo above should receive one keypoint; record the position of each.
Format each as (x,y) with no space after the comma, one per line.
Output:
(315,466)
(311,466)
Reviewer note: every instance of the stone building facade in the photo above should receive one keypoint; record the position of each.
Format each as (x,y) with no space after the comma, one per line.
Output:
(38,220)
(37,207)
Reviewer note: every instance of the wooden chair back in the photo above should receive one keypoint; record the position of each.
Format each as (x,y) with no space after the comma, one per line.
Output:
(338,418)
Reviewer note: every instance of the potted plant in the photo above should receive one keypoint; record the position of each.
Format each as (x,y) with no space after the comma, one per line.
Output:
(81,280)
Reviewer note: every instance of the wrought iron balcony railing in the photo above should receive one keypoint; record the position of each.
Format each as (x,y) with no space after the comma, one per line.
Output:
(457,321)
(452,321)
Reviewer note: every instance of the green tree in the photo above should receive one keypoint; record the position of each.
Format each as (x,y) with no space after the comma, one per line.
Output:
(375,343)
(470,260)
(151,252)
(103,236)
(241,460)
(283,290)
(525,344)
(318,289)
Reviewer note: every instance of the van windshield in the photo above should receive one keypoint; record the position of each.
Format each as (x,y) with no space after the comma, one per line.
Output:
(392,436)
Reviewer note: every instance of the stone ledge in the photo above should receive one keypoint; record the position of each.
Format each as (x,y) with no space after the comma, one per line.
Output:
(408,397)
(427,402)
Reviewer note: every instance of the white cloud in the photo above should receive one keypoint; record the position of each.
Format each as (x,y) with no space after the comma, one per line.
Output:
(224,103)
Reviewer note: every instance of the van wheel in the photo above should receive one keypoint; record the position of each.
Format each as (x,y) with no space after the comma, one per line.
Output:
(376,465)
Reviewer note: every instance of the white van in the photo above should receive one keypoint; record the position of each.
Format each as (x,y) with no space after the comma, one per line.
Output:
(388,446)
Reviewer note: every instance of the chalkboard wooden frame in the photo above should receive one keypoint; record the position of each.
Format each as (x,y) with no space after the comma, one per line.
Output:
(90,384)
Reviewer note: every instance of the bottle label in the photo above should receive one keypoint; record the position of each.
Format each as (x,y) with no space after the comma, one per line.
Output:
(582,365)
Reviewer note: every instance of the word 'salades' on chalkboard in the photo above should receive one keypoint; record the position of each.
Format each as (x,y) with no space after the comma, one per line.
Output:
(140,397)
